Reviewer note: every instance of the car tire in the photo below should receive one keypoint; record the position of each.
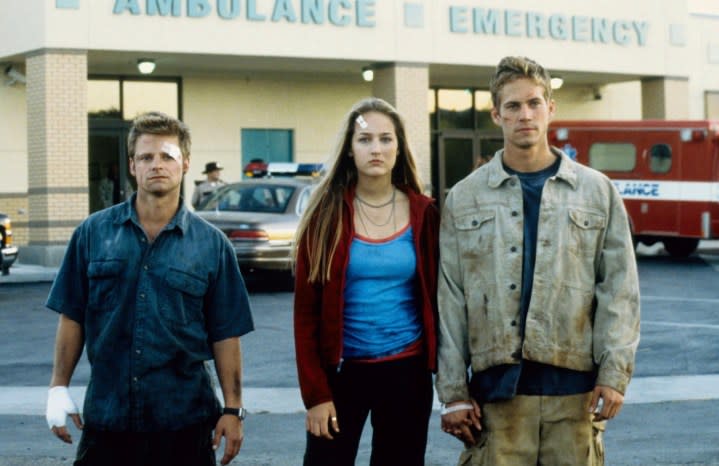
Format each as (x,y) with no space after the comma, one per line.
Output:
(289,281)
(681,247)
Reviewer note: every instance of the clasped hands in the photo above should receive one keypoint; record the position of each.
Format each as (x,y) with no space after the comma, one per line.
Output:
(462,420)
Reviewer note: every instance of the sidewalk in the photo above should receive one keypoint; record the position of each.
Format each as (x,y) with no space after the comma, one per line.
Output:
(29,273)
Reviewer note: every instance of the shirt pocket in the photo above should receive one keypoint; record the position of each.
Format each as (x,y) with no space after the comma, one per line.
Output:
(184,295)
(585,229)
(103,283)
(475,230)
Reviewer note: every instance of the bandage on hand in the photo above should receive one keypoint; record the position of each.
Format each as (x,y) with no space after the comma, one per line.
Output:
(59,405)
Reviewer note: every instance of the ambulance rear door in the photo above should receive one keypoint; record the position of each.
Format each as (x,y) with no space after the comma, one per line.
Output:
(640,163)
(659,189)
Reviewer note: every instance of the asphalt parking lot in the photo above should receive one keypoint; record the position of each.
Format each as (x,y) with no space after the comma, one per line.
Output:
(669,417)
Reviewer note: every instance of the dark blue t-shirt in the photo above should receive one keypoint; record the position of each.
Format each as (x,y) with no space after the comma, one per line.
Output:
(150,313)
(529,377)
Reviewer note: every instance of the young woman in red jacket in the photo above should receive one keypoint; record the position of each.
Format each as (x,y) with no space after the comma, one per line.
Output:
(365,306)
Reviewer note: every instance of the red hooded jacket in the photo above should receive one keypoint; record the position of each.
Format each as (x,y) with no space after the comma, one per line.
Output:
(318,308)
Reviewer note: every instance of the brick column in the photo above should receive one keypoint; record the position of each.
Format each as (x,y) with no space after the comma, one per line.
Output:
(665,98)
(57,152)
(406,86)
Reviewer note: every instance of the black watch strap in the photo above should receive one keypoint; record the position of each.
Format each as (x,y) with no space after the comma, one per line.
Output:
(239,412)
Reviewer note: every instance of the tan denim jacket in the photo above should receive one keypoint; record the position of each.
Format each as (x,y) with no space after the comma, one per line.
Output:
(584,309)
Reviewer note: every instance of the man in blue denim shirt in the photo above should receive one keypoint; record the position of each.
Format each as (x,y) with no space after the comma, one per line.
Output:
(152,291)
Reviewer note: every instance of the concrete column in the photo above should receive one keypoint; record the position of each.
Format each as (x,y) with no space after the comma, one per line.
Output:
(711,99)
(665,98)
(405,86)
(57,152)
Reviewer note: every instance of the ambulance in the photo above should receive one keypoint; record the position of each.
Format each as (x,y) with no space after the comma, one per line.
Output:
(666,171)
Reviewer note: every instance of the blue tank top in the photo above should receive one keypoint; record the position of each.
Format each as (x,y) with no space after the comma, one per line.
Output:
(380,312)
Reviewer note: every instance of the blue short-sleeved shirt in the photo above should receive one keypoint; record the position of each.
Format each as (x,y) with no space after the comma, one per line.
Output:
(150,313)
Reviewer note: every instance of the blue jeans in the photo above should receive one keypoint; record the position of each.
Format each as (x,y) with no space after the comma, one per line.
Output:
(397,395)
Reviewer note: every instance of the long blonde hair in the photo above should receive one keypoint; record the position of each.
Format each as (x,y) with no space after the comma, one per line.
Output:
(321,225)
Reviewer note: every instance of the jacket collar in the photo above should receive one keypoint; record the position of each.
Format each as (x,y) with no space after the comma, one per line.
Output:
(498,175)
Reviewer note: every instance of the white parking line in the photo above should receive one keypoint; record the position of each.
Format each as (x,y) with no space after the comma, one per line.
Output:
(30,401)
(679,324)
(679,299)
(672,388)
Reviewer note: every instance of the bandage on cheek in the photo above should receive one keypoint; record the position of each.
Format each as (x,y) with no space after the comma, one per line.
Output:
(173,151)
(361,122)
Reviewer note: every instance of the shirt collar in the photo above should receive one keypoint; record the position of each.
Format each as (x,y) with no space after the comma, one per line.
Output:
(126,213)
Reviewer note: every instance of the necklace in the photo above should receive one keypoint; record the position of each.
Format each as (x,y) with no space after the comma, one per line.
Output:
(377,206)
(361,213)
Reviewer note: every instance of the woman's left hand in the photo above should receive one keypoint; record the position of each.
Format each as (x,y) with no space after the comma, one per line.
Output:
(321,419)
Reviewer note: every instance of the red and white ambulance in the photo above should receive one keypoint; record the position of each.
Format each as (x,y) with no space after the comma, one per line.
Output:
(666,171)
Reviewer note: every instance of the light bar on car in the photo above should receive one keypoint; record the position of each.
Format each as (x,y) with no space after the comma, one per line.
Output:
(294,169)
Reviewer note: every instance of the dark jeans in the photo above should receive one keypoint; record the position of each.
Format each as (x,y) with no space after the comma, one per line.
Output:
(191,446)
(398,397)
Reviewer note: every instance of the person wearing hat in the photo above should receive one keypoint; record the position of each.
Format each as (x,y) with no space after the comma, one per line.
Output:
(207,187)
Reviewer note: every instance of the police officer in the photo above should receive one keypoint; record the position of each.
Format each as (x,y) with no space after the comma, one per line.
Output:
(207,187)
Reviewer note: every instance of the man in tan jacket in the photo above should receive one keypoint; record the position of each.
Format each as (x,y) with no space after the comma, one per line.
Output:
(538,294)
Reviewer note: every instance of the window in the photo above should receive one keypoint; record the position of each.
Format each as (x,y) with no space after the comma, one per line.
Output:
(103,98)
(268,145)
(119,98)
(660,158)
(144,96)
(455,109)
(613,156)
(251,198)
(483,109)
(304,199)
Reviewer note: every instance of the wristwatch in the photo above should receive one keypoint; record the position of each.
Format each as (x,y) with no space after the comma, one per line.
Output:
(239,412)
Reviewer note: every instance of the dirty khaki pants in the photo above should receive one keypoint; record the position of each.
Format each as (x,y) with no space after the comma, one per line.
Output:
(538,430)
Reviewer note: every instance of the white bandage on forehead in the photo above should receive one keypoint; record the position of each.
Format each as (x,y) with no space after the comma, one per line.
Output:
(361,122)
(172,150)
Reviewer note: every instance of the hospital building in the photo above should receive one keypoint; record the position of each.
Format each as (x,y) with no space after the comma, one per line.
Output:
(272,79)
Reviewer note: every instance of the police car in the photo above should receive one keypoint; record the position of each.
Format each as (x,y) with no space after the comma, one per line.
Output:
(260,215)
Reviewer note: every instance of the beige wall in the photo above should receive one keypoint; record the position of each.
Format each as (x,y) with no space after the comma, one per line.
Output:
(218,109)
(712,104)
(57,145)
(13,158)
(665,99)
(622,101)
(13,138)
(703,47)
(94,27)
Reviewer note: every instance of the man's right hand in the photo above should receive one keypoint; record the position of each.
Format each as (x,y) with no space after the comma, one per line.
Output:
(321,419)
(464,424)
(59,406)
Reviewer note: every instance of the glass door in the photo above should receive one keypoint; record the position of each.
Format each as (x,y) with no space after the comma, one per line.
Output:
(109,179)
(456,159)
(488,146)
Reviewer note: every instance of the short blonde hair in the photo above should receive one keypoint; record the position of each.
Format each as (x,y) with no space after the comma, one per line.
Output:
(162,124)
(512,68)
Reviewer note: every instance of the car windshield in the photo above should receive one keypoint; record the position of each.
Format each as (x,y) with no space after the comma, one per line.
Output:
(251,198)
